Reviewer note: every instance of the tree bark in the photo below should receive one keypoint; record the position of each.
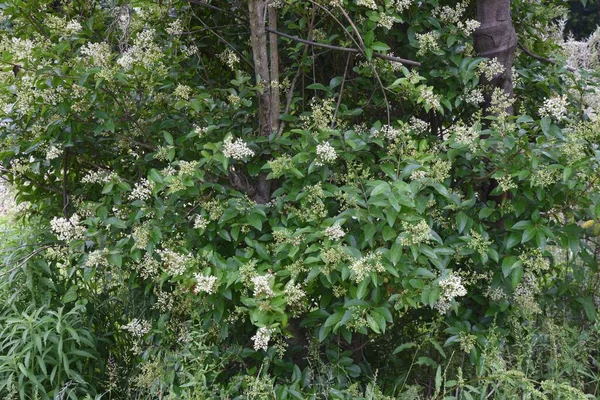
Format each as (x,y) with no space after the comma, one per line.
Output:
(258,39)
(274,84)
(496,38)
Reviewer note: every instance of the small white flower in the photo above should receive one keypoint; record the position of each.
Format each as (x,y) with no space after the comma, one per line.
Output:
(67,229)
(325,154)
(236,150)
(206,284)
(262,338)
(335,232)
(141,191)
(53,152)
(555,107)
(137,327)
(175,28)
(262,285)
(200,222)
(451,288)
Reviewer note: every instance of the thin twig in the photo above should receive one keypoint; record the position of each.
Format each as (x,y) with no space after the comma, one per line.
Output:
(345,49)
(24,261)
(540,58)
(339,100)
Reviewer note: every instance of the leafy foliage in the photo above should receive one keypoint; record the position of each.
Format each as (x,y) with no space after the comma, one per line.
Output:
(400,216)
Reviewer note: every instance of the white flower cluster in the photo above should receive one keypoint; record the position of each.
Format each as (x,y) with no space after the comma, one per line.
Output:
(200,222)
(174,263)
(386,21)
(555,107)
(229,58)
(99,53)
(417,233)
(418,125)
(236,150)
(491,68)
(144,51)
(72,28)
(53,152)
(199,130)
(175,27)
(325,154)
(451,288)
(206,284)
(506,183)
(262,285)
(429,98)
(137,327)
(367,3)
(182,92)
(467,136)
(450,15)
(362,267)
(427,42)
(262,337)
(97,258)
(141,191)
(61,26)
(401,5)
(67,229)
(335,232)
(321,116)
(474,97)
(388,132)
(468,26)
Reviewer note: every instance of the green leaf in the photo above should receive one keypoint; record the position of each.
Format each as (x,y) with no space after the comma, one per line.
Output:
(403,347)
(334,318)
(438,379)
(373,324)
(255,221)
(70,295)
(380,46)
(461,221)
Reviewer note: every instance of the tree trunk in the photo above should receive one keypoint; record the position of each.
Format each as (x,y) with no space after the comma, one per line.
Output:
(496,38)
(274,55)
(258,39)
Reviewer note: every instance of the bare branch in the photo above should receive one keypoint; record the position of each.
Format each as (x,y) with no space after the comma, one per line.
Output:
(345,49)
(540,58)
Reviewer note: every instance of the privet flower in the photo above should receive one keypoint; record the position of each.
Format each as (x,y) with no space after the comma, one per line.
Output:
(141,191)
(175,28)
(262,285)
(325,154)
(174,263)
(417,233)
(229,58)
(428,42)
(491,68)
(206,284)
(362,267)
(200,222)
(335,232)
(98,53)
(53,152)
(451,287)
(262,337)
(506,183)
(367,3)
(138,327)
(555,107)
(236,150)
(182,92)
(67,229)
(386,21)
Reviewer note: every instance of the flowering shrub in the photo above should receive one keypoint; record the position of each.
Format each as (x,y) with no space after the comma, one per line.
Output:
(383,203)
